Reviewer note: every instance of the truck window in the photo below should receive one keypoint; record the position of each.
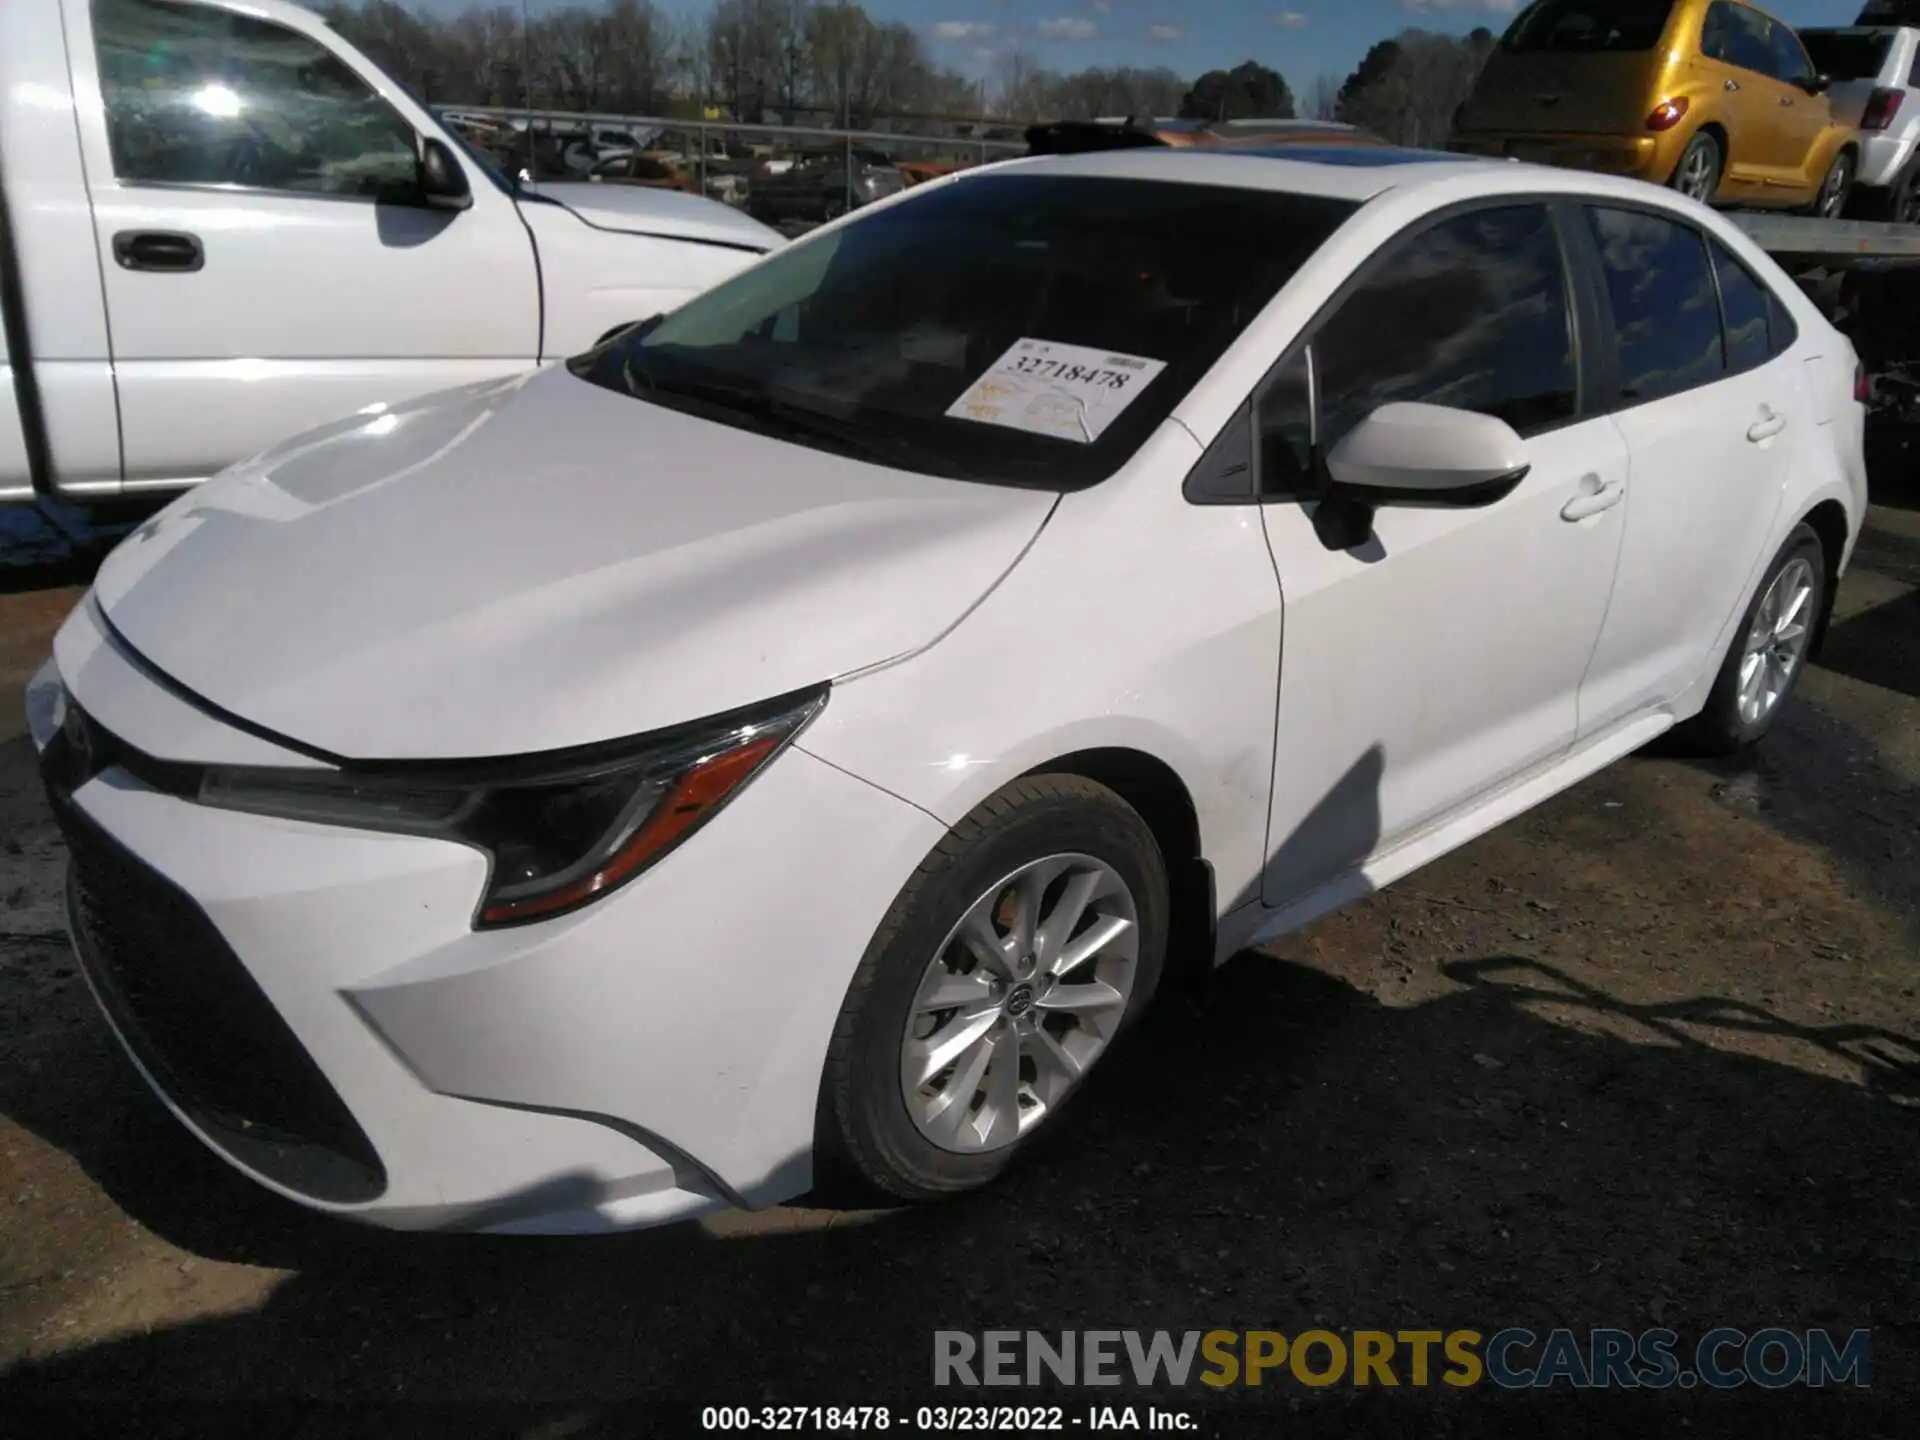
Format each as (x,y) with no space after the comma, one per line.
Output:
(199,96)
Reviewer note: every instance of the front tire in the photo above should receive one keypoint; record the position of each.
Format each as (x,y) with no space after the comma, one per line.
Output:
(1768,652)
(1028,941)
(1830,201)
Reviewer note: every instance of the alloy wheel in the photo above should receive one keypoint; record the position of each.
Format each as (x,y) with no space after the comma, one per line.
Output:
(1906,203)
(1019,1001)
(1696,174)
(1833,191)
(1777,643)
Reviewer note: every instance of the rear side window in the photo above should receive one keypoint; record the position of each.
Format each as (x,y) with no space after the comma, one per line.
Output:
(1666,314)
(1743,308)
(1739,35)
(1757,325)
(1471,313)
(1588,26)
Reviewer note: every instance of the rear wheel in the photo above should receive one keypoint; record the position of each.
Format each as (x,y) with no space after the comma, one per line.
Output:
(1026,943)
(1898,202)
(1697,173)
(1767,654)
(1830,203)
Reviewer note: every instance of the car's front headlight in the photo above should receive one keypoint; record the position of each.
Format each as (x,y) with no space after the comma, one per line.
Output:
(46,704)
(561,829)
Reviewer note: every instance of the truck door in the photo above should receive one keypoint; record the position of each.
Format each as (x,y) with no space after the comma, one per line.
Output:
(269,265)
(56,383)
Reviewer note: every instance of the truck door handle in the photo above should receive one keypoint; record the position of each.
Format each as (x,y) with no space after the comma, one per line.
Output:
(1786,99)
(158,250)
(1767,426)
(1592,496)
(1731,84)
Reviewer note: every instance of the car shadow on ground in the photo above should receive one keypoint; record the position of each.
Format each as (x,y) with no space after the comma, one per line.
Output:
(1302,1155)
(45,546)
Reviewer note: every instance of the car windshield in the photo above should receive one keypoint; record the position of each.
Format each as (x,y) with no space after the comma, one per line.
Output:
(1847,54)
(1018,329)
(1587,26)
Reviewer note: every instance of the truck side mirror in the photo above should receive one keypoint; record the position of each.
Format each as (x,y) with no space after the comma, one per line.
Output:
(443,184)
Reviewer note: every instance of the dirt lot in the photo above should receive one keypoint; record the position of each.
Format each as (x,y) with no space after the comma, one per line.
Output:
(1647,1056)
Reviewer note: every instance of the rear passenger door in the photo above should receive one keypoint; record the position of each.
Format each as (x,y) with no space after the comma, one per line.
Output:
(1709,406)
(1737,41)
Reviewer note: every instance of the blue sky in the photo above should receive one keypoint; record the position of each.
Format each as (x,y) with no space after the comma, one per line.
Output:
(1300,38)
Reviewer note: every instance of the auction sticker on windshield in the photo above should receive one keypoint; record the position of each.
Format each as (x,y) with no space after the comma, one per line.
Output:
(1067,391)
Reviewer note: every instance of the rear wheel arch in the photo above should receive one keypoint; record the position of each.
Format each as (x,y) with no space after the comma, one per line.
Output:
(1828,520)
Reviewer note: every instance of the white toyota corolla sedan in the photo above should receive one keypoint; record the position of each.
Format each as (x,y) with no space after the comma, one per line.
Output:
(805,730)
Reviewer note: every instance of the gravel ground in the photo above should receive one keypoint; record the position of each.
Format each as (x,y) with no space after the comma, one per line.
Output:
(1645,1056)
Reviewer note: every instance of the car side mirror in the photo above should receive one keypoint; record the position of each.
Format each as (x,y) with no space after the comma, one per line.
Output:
(1434,455)
(633,329)
(1818,85)
(443,183)
(1410,454)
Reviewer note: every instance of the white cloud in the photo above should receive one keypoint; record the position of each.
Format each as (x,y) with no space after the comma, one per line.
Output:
(1065,29)
(1434,7)
(1163,34)
(1291,20)
(962,30)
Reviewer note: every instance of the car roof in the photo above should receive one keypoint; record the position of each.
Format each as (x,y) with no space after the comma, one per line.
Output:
(1341,172)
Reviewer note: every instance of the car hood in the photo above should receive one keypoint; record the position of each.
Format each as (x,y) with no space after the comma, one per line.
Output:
(637,210)
(535,563)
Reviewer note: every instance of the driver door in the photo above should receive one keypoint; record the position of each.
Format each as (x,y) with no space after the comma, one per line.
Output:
(264,269)
(1422,669)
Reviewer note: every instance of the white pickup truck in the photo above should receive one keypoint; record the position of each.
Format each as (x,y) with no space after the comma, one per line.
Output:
(221,225)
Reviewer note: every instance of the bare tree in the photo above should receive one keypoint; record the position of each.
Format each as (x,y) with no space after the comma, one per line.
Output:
(570,54)
(1408,88)
(757,59)
(1323,99)
(639,65)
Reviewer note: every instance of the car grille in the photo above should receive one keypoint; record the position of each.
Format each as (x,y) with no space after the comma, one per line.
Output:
(188,1009)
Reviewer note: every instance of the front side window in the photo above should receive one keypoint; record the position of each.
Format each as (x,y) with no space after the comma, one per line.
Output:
(1790,61)
(1471,313)
(1019,329)
(1588,26)
(199,96)
(1666,314)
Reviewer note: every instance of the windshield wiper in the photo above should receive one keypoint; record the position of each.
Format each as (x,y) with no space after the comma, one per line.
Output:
(772,415)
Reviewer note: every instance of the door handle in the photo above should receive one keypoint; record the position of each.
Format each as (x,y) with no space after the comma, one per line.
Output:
(1731,84)
(173,250)
(1767,426)
(1592,496)
(1786,99)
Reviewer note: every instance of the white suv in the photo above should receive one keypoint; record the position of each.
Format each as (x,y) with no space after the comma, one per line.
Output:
(1875,72)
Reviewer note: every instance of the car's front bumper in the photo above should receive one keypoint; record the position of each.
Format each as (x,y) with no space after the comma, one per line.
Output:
(313,1002)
